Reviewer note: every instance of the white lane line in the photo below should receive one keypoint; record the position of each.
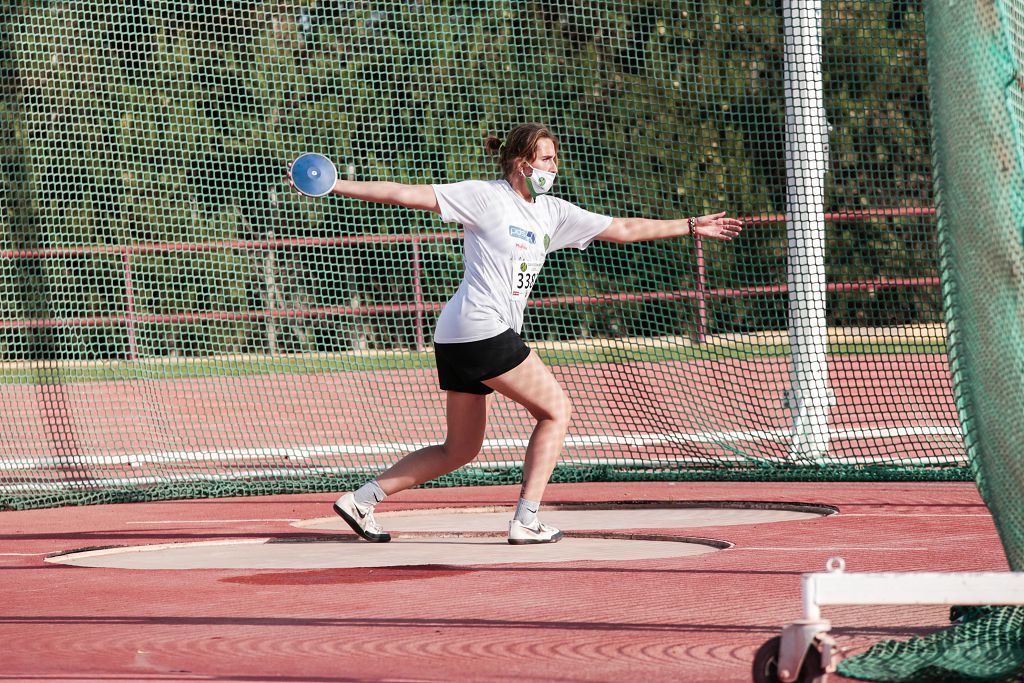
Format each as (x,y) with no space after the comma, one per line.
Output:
(211,521)
(93,483)
(901,514)
(400,448)
(831,549)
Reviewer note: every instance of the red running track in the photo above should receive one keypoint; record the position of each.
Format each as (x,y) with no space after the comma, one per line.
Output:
(685,619)
(317,410)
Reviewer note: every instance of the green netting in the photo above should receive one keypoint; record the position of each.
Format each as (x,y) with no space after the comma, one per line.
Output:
(985,646)
(979,158)
(975,58)
(174,321)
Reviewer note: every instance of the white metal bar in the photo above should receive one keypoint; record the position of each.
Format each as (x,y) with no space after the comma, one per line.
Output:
(911,588)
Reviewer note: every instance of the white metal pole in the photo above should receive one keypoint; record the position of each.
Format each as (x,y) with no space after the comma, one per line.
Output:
(806,163)
(812,612)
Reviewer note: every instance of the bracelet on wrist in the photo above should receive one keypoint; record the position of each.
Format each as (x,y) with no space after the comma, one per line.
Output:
(692,222)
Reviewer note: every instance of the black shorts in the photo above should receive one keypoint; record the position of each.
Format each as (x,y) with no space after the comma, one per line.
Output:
(464,366)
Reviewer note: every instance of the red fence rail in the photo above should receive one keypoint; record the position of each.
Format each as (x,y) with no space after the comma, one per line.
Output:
(701,293)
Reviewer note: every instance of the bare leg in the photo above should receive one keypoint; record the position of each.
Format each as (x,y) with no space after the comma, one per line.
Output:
(467,419)
(532,385)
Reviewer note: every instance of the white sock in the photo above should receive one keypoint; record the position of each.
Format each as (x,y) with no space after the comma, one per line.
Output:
(369,494)
(526,511)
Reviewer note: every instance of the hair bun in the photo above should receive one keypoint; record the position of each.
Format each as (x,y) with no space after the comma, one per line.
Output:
(492,144)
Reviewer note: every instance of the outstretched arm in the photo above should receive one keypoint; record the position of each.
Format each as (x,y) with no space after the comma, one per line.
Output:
(380,192)
(716,226)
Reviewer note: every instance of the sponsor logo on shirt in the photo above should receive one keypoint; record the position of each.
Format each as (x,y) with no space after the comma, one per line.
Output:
(521,234)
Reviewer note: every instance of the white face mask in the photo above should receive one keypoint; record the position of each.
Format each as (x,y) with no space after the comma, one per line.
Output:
(540,182)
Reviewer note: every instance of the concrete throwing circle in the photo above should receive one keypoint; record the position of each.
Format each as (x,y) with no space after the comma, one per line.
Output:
(582,518)
(437,550)
(463,536)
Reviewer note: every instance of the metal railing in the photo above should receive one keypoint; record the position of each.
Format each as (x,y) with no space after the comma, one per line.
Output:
(701,293)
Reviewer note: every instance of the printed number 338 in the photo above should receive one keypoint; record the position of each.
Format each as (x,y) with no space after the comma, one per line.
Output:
(526,280)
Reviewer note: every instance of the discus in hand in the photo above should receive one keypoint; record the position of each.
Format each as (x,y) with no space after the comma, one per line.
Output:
(313,174)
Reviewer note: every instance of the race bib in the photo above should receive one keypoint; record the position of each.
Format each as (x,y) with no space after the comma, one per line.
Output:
(525,269)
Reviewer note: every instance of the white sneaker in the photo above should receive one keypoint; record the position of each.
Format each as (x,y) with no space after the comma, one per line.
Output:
(361,521)
(521,534)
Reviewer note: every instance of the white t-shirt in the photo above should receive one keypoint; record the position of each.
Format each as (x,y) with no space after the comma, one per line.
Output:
(506,241)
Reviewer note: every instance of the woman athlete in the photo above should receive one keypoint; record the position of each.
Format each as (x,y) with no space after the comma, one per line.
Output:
(511,225)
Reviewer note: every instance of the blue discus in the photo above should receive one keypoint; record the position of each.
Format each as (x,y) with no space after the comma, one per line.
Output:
(314,174)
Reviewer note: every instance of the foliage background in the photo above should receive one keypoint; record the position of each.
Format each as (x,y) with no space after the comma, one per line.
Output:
(145,123)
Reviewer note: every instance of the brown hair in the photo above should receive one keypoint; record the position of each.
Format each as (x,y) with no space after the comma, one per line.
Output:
(520,144)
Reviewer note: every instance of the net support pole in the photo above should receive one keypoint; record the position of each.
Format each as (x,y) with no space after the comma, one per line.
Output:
(806,162)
